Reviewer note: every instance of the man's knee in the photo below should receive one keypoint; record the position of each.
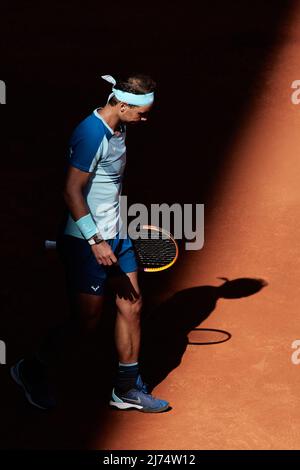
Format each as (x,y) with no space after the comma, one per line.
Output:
(130,309)
(89,307)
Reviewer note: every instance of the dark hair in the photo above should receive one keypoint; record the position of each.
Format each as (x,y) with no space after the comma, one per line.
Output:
(138,84)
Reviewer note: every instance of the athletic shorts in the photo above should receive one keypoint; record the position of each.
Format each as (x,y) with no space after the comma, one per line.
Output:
(84,274)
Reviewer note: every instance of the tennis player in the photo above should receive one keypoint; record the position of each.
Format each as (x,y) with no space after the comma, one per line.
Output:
(91,244)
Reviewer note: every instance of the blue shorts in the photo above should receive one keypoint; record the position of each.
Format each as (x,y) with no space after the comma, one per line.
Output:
(84,274)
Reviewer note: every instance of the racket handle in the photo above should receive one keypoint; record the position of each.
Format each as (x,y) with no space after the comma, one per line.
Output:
(50,244)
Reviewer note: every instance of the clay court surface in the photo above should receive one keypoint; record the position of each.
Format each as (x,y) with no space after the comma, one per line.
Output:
(242,161)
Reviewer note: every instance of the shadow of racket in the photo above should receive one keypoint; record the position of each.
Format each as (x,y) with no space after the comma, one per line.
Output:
(205,336)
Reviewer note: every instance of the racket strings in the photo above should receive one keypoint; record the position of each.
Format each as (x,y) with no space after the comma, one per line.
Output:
(154,249)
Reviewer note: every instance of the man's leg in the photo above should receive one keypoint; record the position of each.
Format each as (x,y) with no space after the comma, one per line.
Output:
(129,391)
(127,327)
(85,282)
(31,373)
(88,308)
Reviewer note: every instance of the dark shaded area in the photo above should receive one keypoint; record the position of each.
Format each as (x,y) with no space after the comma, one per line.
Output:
(166,329)
(209,67)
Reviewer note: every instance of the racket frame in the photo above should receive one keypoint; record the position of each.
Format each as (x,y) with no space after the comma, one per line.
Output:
(168,235)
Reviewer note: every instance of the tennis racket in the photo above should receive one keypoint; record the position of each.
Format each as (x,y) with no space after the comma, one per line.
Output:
(156,249)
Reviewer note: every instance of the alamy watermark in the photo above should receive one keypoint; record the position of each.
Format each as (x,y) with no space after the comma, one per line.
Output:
(295,357)
(295,96)
(183,221)
(2,92)
(2,352)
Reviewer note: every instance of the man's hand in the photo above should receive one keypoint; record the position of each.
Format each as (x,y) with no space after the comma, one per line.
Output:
(104,254)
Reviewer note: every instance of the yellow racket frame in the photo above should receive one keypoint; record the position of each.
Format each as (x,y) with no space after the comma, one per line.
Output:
(161,230)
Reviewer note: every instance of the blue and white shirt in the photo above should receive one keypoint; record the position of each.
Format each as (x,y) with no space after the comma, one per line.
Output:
(95,148)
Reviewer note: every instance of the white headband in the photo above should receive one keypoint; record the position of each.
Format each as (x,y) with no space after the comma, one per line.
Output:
(129,98)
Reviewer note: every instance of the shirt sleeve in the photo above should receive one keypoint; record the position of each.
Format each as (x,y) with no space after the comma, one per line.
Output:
(86,145)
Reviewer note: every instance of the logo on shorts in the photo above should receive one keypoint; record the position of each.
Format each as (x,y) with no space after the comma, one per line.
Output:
(95,288)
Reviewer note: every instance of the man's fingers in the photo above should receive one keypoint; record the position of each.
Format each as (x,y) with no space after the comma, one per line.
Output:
(107,260)
(113,258)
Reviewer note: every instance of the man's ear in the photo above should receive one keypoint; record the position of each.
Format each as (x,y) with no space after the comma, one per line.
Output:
(123,107)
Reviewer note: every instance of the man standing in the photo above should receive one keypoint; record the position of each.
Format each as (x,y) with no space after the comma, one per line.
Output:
(92,243)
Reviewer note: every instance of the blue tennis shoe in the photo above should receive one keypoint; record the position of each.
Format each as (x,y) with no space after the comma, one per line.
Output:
(139,399)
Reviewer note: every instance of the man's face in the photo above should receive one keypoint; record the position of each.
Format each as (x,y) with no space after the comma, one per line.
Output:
(135,113)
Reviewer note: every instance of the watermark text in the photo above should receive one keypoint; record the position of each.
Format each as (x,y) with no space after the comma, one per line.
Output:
(2,92)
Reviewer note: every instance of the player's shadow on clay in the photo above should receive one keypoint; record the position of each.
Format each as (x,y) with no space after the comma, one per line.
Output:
(166,329)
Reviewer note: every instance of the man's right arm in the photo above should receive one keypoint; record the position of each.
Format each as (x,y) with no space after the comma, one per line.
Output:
(73,193)
(76,181)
